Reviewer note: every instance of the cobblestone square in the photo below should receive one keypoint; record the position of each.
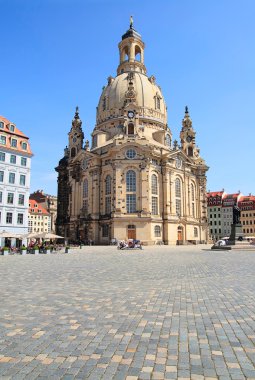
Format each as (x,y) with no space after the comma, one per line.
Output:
(99,313)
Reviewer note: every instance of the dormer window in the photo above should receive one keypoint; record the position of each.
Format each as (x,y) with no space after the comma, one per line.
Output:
(14,143)
(157,99)
(12,128)
(24,146)
(1,125)
(3,140)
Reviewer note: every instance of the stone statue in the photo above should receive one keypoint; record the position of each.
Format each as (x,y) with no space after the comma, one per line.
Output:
(131,22)
(236,214)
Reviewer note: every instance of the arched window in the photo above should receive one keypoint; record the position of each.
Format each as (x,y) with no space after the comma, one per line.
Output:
(108,197)
(85,201)
(192,193)
(190,151)
(73,152)
(178,206)
(178,188)
(137,53)
(168,141)
(157,231)
(154,184)
(154,192)
(192,200)
(131,191)
(131,129)
(108,183)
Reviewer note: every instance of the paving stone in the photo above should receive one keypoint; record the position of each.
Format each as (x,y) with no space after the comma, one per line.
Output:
(163,313)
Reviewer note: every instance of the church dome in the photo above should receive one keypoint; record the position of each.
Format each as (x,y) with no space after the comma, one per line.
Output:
(131,86)
(147,96)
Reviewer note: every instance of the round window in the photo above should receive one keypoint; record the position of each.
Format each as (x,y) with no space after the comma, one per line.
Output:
(130,154)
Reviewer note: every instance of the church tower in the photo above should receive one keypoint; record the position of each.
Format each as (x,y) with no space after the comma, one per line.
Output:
(76,135)
(187,136)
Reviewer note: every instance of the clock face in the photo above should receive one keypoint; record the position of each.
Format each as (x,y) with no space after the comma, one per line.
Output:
(178,162)
(189,139)
(131,114)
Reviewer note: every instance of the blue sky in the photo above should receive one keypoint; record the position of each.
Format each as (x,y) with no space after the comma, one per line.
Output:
(57,54)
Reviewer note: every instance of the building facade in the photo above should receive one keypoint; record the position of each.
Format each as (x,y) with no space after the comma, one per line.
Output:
(39,219)
(134,181)
(247,217)
(48,202)
(15,164)
(214,211)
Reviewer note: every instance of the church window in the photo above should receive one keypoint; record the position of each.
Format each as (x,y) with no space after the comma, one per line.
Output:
(178,196)
(73,152)
(108,191)
(193,200)
(131,181)
(178,206)
(178,188)
(131,129)
(154,184)
(157,231)
(168,141)
(190,151)
(105,230)
(131,203)
(131,190)
(157,102)
(154,191)
(154,205)
(195,232)
(130,154)
(108,185)
(94,141)
(85,202)
(192,193)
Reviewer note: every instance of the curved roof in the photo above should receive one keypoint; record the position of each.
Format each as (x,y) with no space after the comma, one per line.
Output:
(114,95)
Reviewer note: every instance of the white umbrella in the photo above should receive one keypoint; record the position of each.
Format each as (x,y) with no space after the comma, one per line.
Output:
(49,235)
(6,234)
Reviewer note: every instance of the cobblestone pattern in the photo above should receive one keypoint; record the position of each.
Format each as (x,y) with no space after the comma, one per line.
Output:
(99,313)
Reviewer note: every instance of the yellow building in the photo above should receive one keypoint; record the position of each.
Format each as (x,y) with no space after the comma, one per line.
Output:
(134,182)
(39,220)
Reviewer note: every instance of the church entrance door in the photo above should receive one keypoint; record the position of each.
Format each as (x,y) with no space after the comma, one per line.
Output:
(180,234)
(131,231)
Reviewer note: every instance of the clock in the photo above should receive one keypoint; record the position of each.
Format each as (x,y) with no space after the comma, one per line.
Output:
(74,139)
(178,163)
(188,138)
(130,114)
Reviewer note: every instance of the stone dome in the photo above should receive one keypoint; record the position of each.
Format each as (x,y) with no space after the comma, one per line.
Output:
(147,97)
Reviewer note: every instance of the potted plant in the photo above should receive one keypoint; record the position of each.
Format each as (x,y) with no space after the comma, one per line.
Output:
(6,251)
(67,248)
(47,249)
(36,250)
(23,250)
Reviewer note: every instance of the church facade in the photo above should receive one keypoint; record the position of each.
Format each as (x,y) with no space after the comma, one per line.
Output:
(134,181)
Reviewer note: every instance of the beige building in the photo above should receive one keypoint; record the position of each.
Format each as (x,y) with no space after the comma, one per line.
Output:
(134,182)
(38,218)
(48,202)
